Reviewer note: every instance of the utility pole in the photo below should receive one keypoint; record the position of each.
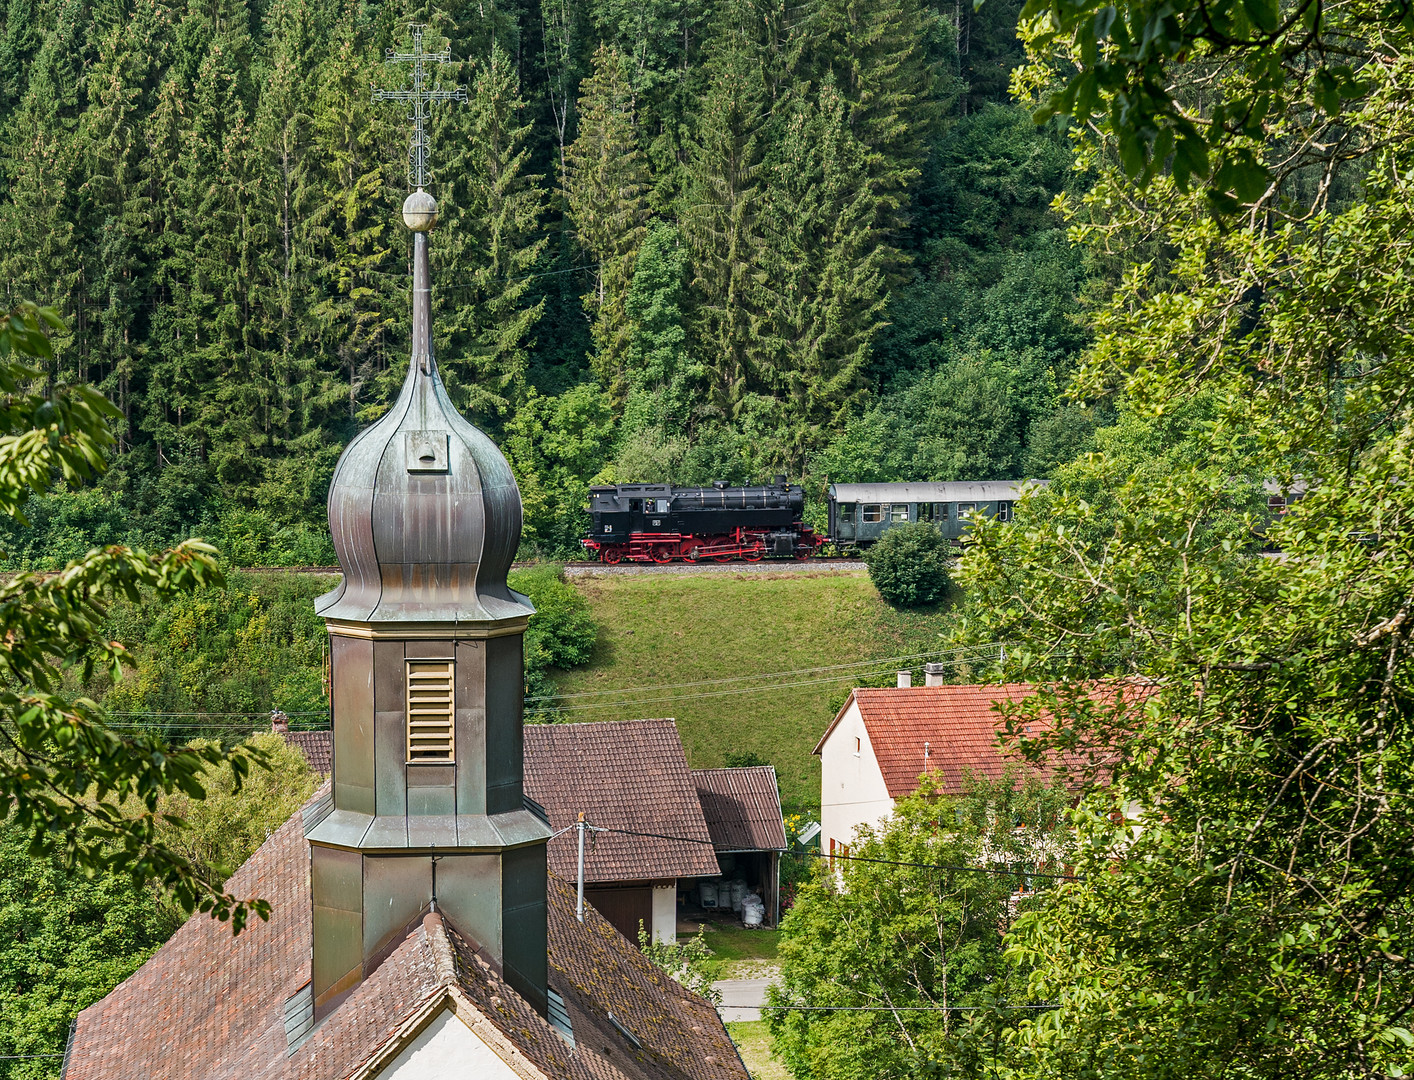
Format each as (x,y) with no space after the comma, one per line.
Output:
(579,897)
(421,95)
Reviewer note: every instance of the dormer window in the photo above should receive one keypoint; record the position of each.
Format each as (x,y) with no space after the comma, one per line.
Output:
(430,715)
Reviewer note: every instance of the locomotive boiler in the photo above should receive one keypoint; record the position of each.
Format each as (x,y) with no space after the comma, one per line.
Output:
(661,523)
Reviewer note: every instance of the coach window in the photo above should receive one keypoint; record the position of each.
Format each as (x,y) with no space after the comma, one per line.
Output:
(1003,511)
(898,512)
(941,510)
(925,511)
(871,512)
(847,513)
(966,508)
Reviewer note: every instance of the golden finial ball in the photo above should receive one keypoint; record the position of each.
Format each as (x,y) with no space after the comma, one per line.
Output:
(419,211)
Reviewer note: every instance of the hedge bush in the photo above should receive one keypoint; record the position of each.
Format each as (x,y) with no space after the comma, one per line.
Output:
(909,565)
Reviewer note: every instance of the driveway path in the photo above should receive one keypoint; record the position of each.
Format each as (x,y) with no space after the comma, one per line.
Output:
(742,998)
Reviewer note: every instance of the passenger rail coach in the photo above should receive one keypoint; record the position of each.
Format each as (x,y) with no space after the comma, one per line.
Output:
(861,513)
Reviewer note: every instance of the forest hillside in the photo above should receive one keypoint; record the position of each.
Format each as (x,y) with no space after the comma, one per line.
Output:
(678,242)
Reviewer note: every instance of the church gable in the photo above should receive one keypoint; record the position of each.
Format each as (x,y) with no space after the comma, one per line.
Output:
(448,1044)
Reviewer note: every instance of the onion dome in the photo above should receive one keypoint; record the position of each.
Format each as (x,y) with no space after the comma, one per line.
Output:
(423,508)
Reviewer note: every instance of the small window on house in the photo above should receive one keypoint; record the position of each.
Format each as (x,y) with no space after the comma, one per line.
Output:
(1277,503)
(857,744)
(847,513)
(430,713)
(898,512)
(1003,511)
(871,512)
(925,511)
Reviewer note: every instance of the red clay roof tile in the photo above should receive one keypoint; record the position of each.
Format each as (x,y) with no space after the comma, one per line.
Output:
(629,774)
(210,1007)
(742,807)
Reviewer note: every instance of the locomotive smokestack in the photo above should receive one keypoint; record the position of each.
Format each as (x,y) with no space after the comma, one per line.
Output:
(781,480)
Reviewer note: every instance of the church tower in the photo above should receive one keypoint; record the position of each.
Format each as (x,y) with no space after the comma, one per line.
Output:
(427,808)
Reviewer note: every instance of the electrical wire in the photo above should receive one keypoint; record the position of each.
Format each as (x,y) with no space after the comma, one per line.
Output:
(859,858)
(881,668)
(893,1008)
(774,674)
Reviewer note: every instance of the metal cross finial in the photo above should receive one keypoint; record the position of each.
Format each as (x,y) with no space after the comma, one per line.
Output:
(420,95)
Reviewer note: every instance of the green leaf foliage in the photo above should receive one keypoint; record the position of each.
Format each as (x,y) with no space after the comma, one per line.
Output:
(71,781)
(909,565)
(913,934)
(1239,919)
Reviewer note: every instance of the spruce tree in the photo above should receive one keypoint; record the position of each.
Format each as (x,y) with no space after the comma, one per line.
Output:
(722,220)
(358,294)
(606,188)
(876,55)
(824,261)
(490,241)
(664,379)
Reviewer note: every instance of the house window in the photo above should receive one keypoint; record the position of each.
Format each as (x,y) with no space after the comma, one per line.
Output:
(847,513)
(837,850)
(431,732)
(898,512)
(871,512)
(857,746)
(1003,511)
(925,511)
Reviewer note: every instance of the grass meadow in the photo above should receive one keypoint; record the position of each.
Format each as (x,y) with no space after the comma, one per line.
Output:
(701,648)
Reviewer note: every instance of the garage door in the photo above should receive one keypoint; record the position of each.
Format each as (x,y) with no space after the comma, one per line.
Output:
(625,908)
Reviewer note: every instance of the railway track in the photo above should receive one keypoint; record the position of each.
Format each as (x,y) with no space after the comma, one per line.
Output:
(575,569)
(833,562)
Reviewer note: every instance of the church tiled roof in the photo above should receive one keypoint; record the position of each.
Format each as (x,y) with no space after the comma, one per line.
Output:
(211,1007)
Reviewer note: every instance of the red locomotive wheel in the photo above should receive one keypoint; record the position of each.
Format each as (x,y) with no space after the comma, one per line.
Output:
(663,554)
(613,555)
(722,558)
(754,555)
(692,554)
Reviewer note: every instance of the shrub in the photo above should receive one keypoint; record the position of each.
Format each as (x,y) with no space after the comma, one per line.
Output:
(909,565)
(561,632)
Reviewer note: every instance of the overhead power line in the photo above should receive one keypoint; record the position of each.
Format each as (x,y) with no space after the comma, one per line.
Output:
(894,1008)
(1010,872)
(967,651)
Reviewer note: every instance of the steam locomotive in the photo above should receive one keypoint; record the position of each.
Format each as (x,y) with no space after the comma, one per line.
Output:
(660,523)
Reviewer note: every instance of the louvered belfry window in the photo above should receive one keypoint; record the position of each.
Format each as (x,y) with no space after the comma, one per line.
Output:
(430,711)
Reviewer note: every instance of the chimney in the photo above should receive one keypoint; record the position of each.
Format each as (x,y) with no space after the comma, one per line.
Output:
(279,722)
(933,674)
(905,679)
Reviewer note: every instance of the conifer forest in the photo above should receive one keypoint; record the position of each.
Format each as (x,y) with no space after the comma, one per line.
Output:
(679,242)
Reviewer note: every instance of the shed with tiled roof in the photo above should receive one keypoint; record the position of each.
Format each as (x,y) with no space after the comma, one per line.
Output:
(630,780)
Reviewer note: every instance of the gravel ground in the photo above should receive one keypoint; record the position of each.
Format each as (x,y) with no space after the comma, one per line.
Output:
(766,566)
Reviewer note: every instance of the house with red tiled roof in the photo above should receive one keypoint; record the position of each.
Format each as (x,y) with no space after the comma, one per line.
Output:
(416,931)
(884,739)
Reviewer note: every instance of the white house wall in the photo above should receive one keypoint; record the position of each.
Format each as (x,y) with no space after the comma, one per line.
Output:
(852,790)
(447,1049)
(665,913)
